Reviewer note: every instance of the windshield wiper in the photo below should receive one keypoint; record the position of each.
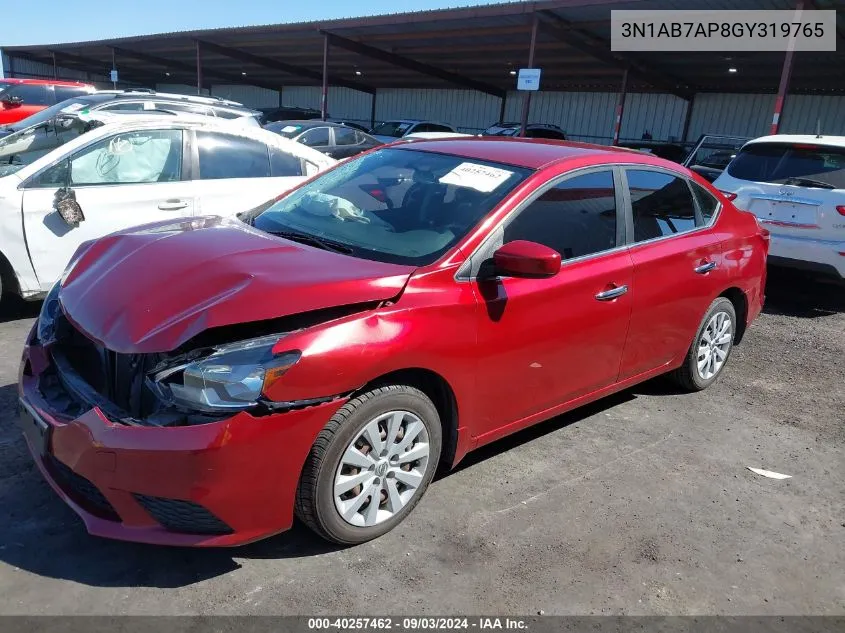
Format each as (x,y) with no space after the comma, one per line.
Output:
(808,182)
(313,240)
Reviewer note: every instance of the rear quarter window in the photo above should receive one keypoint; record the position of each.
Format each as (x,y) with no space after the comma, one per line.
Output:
(789,163)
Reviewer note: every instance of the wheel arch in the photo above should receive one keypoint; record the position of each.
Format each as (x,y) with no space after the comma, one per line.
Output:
(442,395)
(740,302)
(8,279)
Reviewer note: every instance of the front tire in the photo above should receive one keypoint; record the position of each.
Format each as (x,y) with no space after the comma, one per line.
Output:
(370,465)
(711,348)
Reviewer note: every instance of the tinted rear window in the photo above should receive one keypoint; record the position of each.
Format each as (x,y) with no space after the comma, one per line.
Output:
(780,162)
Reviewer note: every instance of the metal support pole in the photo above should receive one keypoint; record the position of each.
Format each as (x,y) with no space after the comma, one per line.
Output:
(502,108)
(526,104)
(786,74)
(55,69)
(620,108)
(199,68)
(687,119)
(373,111)
(113,67)
(324,101)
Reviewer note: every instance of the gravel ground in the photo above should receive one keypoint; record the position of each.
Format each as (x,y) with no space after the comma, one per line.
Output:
(640,504)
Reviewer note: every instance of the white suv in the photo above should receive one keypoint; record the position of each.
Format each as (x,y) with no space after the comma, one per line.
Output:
(795,185)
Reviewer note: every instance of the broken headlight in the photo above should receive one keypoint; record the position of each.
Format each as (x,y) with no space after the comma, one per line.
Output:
(231,378)
(50,311)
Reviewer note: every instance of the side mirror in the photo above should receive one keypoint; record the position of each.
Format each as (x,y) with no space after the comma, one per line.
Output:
(67,207)
(521,258)
(11,102)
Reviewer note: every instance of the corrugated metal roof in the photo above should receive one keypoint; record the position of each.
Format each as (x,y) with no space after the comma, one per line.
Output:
(480,43)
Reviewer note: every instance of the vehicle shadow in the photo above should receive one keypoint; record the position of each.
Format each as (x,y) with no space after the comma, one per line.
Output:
(797,294)
(41,535)
(13,308)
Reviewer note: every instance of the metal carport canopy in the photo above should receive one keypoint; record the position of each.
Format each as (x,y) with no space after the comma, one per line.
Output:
(474,48)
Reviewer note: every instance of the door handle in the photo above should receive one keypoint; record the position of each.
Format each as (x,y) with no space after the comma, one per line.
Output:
(172,205)
(613,293)
(705,268)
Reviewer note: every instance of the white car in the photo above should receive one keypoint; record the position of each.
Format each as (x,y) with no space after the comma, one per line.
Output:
(80,177)
(389,131)
(795,185)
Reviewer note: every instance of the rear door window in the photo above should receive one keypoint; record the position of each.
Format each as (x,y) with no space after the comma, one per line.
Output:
(662,204)
(803,165)
(316,137)
(345,136)
(230,156)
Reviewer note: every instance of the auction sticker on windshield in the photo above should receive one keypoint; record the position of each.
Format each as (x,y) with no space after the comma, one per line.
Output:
(480,177)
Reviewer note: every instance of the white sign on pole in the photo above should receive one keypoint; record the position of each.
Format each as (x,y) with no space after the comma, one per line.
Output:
(529,79)
(114,76)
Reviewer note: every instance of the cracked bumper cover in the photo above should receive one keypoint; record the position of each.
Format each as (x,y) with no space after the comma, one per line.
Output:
(243,470)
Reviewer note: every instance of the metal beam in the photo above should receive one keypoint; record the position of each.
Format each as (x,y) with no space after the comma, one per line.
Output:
(786,74)
(190,68)
(199,68)
(620,108)
(324,96)
(95,65)
(291,69)
(526,98)
(412,64)
(568,33)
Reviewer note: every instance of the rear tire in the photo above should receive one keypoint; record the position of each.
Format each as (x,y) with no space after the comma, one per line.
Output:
(383,445)
(710,349)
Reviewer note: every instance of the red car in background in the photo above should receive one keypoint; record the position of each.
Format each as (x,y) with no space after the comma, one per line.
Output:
(20,98)
(197,382)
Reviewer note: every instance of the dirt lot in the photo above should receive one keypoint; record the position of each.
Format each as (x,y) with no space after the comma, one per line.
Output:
(641,504)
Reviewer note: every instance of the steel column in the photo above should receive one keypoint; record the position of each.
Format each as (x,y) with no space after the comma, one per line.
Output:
(113,67)
(324,101)
(199,68)
(620,108)
(526,104)
(373,112)
(786,74)
(55,68)
(687,119)
(502,108)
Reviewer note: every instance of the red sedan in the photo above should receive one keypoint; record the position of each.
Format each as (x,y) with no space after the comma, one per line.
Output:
(199,382)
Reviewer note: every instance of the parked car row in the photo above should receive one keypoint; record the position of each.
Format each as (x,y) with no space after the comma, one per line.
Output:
(324,353)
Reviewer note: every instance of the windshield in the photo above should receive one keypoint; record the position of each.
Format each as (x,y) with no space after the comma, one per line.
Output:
(26,146)
(287,130)
(791,163)
(396,129)
(4,86)
(394,205)
(68,105)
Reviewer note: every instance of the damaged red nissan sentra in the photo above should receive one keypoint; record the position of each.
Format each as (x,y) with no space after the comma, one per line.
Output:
(200,382)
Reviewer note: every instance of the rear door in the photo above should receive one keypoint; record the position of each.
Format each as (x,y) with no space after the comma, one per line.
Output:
(237,173)
(347,142)
(120,181)
(678,268)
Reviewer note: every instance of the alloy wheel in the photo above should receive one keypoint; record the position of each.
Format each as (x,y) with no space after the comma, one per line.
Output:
(382,468)
(714,345)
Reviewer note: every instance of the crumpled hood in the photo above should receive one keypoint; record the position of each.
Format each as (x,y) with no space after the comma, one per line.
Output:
(152,288)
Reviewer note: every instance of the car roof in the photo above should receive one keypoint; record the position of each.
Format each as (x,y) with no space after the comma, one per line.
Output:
(45,82)
(305,123)
(809,139)
(531,153)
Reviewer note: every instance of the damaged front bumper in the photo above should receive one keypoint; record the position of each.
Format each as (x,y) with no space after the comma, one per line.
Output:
(221,483)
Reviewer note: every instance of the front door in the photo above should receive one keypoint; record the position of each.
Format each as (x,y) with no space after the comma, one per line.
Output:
(678,268)
(544,342)
(120,181)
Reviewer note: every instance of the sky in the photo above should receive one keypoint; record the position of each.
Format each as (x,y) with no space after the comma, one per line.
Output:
(58,21)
